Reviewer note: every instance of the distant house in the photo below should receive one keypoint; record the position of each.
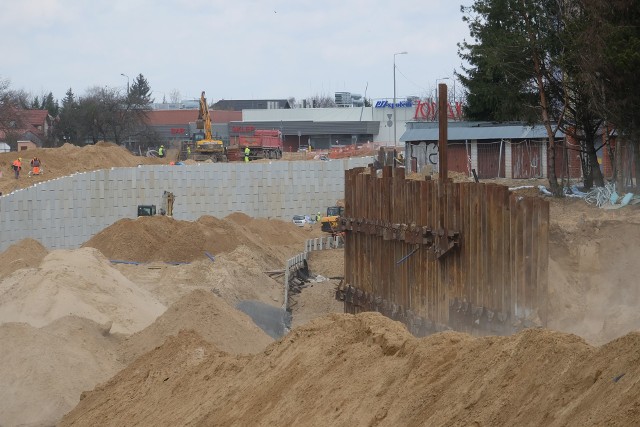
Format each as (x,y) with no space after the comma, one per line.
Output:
(29,125)
(4,147)
(493,150)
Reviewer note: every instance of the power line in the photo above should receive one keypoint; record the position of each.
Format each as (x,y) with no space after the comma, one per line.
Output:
(411,81)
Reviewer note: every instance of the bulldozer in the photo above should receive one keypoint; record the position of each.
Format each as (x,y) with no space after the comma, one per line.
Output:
(331,222)
(207,147)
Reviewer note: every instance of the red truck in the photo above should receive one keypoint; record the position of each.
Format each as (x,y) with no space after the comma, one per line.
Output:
(263,144)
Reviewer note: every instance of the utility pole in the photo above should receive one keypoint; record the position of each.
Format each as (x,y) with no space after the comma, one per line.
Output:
(124,75)
(395,133)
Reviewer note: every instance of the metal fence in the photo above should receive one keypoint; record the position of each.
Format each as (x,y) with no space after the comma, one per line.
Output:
(468,256)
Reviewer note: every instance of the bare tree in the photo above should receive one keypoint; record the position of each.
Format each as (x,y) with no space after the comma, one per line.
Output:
(175,96)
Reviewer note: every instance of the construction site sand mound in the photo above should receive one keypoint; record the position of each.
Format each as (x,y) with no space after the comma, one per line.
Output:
(593,279)
(66,160)
(345,370)
(160,238)
(207,314)
(24,254)
(44,371)
(77,282)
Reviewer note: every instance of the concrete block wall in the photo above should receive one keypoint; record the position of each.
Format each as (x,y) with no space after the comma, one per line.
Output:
(66,212)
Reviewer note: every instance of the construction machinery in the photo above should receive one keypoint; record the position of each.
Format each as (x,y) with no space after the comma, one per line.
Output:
(263,144)
(206,147)
(168,199)
(331,222)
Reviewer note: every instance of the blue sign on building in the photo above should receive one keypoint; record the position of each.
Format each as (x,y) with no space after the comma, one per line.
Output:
(399,104)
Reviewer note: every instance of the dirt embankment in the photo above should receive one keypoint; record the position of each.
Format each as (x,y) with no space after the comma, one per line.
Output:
(27,253)
(160,238)
(67,160)
(368,370)
(76,282)
(593,279)
(44,370)
(208,315)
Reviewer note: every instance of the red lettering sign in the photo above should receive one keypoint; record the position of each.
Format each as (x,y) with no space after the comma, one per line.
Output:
(426,110)
(177,131)
(243,129)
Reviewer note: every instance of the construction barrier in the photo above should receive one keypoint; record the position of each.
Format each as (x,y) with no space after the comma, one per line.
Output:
(441,255)
(293,264)
(322,243)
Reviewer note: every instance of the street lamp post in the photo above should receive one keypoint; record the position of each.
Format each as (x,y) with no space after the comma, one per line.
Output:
(124,75)
(395,134)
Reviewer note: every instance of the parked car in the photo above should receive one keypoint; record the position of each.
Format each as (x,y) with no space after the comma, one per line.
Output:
(299,220)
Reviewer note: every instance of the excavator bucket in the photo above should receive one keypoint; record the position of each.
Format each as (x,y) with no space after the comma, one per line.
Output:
(200,124)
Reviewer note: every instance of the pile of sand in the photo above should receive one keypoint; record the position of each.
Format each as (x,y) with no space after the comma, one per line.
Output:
(160,238)
(216,321)
(593,277)
(44,371)
(24,254)
(66,160)
(76,282)
(368,370)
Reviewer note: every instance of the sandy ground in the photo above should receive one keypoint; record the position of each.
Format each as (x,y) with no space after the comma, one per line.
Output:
(66,160)
(157,340)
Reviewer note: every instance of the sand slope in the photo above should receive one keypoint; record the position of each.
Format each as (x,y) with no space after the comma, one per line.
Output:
(76,282)
(44,371)
(345,370)
(24,254)
(216,321)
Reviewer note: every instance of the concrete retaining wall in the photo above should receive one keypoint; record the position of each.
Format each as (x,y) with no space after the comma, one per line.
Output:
(66,212)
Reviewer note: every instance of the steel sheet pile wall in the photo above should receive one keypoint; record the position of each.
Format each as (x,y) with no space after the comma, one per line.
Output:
(467,256)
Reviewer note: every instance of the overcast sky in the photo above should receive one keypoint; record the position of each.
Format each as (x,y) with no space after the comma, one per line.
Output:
(240,49)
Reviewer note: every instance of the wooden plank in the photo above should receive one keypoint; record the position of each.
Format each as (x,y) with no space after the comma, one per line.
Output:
(494,258)
(450,259)
(532,258)
(519,262)
(543,260)
(385,261)
(485,253)
(431,269)
(505,255)
(526,268)
(424,262)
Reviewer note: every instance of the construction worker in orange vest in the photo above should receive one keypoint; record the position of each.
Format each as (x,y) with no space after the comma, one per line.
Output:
(35,165)
(17,165)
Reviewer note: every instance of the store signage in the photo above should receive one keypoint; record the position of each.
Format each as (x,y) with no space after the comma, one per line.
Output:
(426,110)
(399,104)
(243,129)
(178,131)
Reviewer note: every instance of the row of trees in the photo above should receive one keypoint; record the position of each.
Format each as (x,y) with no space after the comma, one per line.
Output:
(102,113)
(107,114)
(568,63)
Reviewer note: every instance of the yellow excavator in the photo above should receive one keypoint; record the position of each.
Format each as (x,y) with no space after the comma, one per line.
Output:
(207,147)
(331,222)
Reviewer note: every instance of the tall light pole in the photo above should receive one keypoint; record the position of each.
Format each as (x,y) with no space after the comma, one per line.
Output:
(395,134)
(124,75)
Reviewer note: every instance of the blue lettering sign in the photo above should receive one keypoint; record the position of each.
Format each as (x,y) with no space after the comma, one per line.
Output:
(399,104)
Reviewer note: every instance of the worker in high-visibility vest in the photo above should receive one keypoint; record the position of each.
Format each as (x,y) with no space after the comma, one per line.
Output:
(246,154)
(35,165)
(17,165)
(161,151)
